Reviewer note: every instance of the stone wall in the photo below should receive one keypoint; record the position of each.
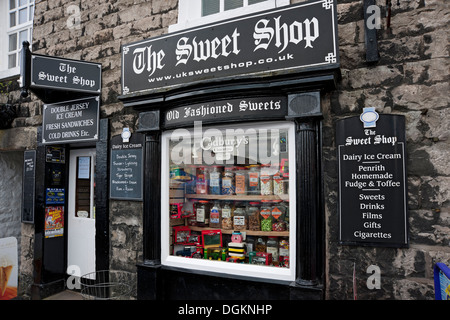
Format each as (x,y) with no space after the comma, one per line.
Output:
(412,79)
(15,137)
(11,167)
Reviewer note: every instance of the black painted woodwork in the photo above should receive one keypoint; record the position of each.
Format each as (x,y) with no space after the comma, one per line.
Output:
(50,255)
(152,199)
(370,35)
(101,198)
(307,269)
(156,281)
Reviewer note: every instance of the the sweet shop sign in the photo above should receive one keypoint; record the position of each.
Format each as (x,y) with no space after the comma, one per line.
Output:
(372,180)
(65,74)
(296,38)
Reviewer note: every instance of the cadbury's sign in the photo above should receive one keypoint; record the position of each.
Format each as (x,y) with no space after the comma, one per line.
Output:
(288,39)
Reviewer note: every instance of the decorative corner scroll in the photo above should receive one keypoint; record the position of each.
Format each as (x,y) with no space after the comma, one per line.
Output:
(331,58)
(327,4)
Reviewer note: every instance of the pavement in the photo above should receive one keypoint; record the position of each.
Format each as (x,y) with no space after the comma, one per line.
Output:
(66,295)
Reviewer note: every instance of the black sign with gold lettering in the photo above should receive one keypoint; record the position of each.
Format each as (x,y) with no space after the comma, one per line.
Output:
(372,180)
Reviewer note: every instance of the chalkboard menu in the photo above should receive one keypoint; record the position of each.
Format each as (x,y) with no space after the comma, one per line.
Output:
(372,180)
(28,191)
(126,174)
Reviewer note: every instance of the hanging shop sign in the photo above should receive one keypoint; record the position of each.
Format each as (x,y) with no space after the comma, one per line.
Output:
(227,110)
(301,37)
(126,170)
(71,121)
(372,180)
(65,74)
(441,281)
(28,189)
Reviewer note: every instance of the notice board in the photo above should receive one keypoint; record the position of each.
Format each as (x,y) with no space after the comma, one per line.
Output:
(372,180)
(126,170)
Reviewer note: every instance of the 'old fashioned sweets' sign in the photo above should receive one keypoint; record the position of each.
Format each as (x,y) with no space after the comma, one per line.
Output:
(372,180)
(231,109)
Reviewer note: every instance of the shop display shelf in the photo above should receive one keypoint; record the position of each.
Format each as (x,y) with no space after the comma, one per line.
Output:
(248,232)
(237,197)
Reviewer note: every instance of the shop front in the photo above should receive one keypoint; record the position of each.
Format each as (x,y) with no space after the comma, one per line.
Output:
(65,184)
(231,118)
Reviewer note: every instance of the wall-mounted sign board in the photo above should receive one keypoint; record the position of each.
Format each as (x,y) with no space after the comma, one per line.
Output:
(260,108)
(71,121)
(28,191)
(285,40)
(371,152)
(126,170)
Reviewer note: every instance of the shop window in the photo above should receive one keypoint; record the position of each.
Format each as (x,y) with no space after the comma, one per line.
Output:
(84,192)
(193,13)
(228,203)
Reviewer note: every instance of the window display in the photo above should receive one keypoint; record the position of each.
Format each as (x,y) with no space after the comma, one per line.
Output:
(227,203)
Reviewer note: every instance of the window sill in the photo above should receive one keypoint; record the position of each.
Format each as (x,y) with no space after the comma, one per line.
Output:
(192,17)
(9,73)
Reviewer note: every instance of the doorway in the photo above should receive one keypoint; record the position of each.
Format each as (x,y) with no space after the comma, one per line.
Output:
(81,212)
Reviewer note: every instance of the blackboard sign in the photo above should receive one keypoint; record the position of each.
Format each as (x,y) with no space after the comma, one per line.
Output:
(372,180)
(71,121)
(230,109)
(295,38)
(211,238)
(127,160)
(28,191)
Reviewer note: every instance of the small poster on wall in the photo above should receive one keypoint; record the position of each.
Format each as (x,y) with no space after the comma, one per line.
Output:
(54,221)
(8,268)
(54,196)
